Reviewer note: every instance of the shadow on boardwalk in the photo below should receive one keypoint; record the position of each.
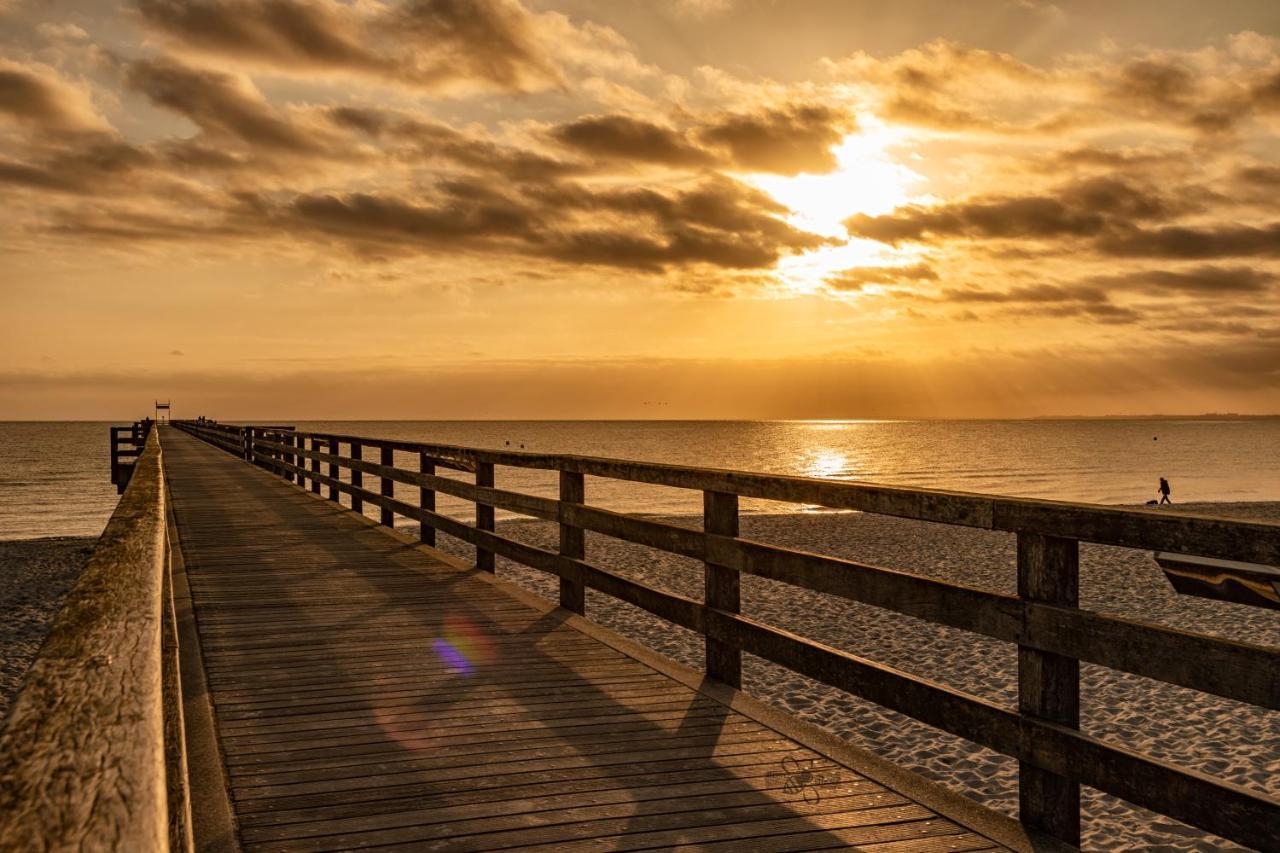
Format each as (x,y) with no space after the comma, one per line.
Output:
(367,695)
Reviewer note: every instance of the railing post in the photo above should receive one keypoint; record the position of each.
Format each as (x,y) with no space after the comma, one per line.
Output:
(315,468)
(333,470)
(1049,684)
(721,586)
(426,500)
(388,490)
(246,444)
(286,439)
(573,593)
(357,477)
(115,454)
(484,516)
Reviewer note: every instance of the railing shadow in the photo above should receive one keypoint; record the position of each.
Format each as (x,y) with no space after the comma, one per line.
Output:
(403,751)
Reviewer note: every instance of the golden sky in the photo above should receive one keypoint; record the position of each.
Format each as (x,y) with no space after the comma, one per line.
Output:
(676,208)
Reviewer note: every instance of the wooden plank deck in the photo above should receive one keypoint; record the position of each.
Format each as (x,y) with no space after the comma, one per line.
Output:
(369,695)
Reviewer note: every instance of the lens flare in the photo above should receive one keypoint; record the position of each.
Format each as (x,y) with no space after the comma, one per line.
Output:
(462,646)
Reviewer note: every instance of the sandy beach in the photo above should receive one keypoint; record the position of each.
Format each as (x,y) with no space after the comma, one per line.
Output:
(1227,739)
(35,577)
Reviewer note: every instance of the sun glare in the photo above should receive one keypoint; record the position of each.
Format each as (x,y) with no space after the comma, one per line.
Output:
(867,180)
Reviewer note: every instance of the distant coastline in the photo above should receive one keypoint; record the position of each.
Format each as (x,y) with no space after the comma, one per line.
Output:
(1208,416)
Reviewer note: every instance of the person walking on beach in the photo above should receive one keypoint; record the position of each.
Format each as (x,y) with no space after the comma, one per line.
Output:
(1164,491)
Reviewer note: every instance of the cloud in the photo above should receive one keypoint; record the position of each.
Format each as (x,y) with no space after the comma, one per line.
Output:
(947,87)
(720,223)
(631,139)
(1033,293)
(857,278)
(1078,210)
(361,218)
(1205,280)
(1192,242)
(96,166)
(221,104)
(702,8)
(414,139)
(784,140)
(35,95)
(436,45)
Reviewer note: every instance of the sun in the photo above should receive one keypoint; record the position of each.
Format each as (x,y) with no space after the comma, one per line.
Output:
(867,179)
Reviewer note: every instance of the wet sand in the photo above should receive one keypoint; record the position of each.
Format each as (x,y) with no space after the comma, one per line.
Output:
(35,577)
(1227,739)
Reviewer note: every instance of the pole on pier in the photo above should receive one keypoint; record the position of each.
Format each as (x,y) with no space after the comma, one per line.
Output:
(484,516)
(315,467)
(426,500)
(573,594)
(1049,684)
(721,586)
(388,490)
(333,470)
(357,478)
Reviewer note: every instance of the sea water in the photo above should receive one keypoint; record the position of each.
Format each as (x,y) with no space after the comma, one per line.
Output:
(54,477)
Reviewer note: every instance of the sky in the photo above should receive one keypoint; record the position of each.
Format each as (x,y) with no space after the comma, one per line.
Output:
(672,209)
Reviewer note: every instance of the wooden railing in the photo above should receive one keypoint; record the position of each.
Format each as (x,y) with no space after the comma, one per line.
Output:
(1052,633)
(127,443)
(92,756)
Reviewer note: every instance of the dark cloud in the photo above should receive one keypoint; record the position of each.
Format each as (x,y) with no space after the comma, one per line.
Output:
(1167,89)
(1032,293)
(1154,82)
(360,218)
(1099,312)
(412,139)
(287,32)
(34,177)
(222,105)
(1265,92)
(431,44)
(721,223)
(1110,159)
(1079,210)
(123,227)
(1206,280)
(39,98)
(1258,177)
(783,140)
(856,278)
(623,137)
(1190,243)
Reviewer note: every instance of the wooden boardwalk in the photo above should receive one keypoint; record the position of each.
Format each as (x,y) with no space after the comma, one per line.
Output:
(367,694)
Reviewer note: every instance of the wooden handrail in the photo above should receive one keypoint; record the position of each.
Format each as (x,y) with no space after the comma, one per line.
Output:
(1052,633)
(83,756)
(1231,539)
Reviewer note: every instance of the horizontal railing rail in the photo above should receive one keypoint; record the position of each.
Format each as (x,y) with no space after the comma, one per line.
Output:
(1052,633)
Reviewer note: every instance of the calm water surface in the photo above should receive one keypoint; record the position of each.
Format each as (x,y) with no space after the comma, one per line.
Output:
(54,477)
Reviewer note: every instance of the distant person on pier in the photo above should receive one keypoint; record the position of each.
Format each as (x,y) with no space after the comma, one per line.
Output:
(1164,491)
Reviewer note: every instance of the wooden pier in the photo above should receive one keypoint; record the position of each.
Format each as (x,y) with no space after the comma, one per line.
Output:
(305,678)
